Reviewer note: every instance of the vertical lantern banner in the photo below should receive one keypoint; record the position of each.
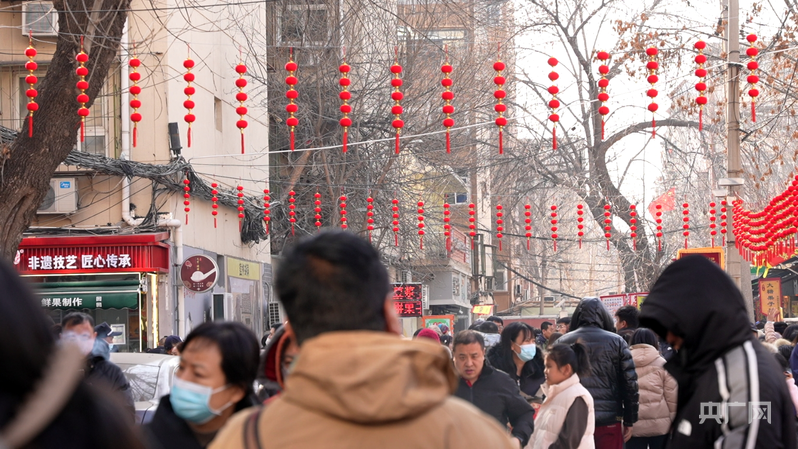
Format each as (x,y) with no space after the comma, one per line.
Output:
(370,215)
(292,210)
(652,65)
(31,80)
(135,90)
(554,226)
(686,225)
(701,85)
(500,107)
(240,195)
(472,223)
(241,96)
(345,96)
(633,225)
(82,85)
(395,220)
(266,210)
(554,103)
(215,204)
(528,224)
(421,224)
(397,96)
(344,225)
(186,196)
(499,224)
(188,64)
(712,225)
(603,96)
(753,79)
(658,220)
(447,227)
(607,224)
(317,212)
(447,97)
(291,80)
(580,223)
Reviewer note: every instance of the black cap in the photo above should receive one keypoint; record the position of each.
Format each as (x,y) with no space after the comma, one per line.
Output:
(104,330)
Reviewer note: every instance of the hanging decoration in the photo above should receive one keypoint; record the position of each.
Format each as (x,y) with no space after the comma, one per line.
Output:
(292,94)
(753,79)
(633,225)
(421,224)
(686,225)
(603,96)
(500,94)
(447,228)
(135,90)
(189,91)
(499,224)
(528,224)
(652,65)
(186,196)
(317,212)
(240,195)
(241,97)
(607,225)
(395,222)
(31,80)
(82,86)
(554,226)
(292,210)
(447,96)
(712,225)
(723,224)
(658,220)
(472,223)
(580,226)
(370,215)
(343,212)
(267,209)
(215,205)
(554,103)
(397,97)
(345,96)
(701,85)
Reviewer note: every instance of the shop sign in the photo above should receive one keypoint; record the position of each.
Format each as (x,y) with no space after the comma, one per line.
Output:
(613,302)
(407,292)
(714,254)
(243,269)
(408,309)
(199,273)
(482,310)
(434,320)
(769,294)
(78,262)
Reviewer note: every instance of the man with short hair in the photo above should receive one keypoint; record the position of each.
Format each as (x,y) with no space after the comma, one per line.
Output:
(492,391)
(499,322)
(563,325)
(627,322)
(546,329)
(355,381)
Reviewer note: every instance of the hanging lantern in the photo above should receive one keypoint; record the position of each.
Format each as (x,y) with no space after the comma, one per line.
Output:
(82,85)
(528,224)
(370,216)
(345,96)
(31,80)
(421,224)
(343,211)
(499,224)
(135,90)
(607,225)
(580,223)
(240,195)
(554,226)
(652,65)
(292,122)
(397,96)
(753,79)
(500,94)
(701,85)
(472,223)
(723,224)
(554,103)
(447,228)
(189,91)
(395,222)
(712,225)
(447,96)
(317,211)
(633,226)
(292,210)
(658,219)
(186,196)
(266,209)
(603,96)
(241,110)
(215,205)
(686,225)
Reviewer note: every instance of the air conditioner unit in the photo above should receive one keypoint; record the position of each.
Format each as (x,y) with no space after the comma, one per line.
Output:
(407,276)
(39,19)
(62,198)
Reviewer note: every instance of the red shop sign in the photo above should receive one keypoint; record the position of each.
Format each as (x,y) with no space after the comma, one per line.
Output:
(408,309)
(96,254)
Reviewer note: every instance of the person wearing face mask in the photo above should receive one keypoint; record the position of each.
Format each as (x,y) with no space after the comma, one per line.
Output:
(78,328)
(214,380)
(518,355)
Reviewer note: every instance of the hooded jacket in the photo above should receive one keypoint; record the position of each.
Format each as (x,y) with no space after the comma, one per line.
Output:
(657,393)
(720,365)
(372,390)
(613,380)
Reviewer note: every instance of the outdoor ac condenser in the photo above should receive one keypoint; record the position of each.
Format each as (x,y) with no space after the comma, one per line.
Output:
(62,198)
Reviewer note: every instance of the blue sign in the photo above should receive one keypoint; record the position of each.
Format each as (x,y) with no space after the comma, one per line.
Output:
(65,184)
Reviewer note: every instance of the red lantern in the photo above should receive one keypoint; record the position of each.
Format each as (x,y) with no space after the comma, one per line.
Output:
(215,205)
(241,110)
(701,85)
(554,103)
(82,85)
(580,226)
(291,80)
(633,225)
(607,224)
(554,226)
(753,79)
(186,196)
(31,80)
(370,215)
(266,209)
(135,90)
(712,225)
(500,94)
(345,96)
(240,195)
(395,222)
(604,70)
(317,212)
(528,224)
(652,65)
(421,224)
(447,97)
(188,64)
(397,96)
(499,224)
(343,211)
(658,219)
(686,225)
(472,223)
(447,228)
(292,209)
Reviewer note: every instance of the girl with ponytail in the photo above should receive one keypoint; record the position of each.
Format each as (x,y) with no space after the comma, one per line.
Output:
(565,420)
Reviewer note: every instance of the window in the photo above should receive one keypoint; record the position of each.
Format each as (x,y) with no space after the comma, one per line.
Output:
(39,19)
(274,313)
(457,198)
(499,280)
(304,24)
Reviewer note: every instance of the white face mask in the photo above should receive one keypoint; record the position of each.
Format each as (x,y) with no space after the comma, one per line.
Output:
(84,341)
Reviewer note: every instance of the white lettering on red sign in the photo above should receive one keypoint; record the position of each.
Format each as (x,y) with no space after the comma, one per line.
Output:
(87,261)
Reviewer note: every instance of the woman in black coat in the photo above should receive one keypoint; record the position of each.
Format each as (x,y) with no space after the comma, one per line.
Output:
(518,355)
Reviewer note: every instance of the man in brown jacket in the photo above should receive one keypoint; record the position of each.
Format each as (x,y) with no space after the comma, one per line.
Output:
(355,383)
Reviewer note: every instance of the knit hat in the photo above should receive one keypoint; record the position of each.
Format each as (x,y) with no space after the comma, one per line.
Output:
(429,333)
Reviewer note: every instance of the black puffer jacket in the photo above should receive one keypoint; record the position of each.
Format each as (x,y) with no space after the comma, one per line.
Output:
(613,380)
(103,373)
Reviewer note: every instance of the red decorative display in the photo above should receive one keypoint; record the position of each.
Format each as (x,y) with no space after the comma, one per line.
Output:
(395,220)
(240,195)
(753,79)
(554,103)
(447,96)
(712,225)
(603,96)
(370,216)
(82,85)
(186,196)
(189,90)
(215,205)
(580,223)
(345,96)
(317,212)
(472,223)
(607,224)
(658,220)
(31,81)
(135,90)
(292,94)
(633,225)
(499,224)
(500,94)
(267,209)
(447,228)
(397,97)
(701,85)
(528,224)
(241,97)
(292,210)
(554,226)
(343,212)
(723,224)
(686,225)
(421,224)
(652,66)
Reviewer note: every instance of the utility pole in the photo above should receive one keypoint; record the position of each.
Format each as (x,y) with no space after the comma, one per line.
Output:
(734,264)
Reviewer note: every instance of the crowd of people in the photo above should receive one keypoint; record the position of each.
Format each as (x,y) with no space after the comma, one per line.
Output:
(685,370)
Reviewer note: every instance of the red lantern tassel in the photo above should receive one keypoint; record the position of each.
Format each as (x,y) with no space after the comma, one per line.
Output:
(189,135)
(239,227)
(608,245)
(242,142)
(634,245)
(659,245)
(186,217)
(500,245)
(555,246)
(554,137)
(396,239)
(448,143)
(135,135)
(369,235)
(602,128)
(82,130)
(292,229)
(397,143)
(345,134)
(214,225)
(713,242)
(653,127)
(685,243)
(527,244)
(753,111)
(448,243)
(421,242)
(501,146)
(472,243)
(30,126)
(292,140)
(701,119)
(580,243)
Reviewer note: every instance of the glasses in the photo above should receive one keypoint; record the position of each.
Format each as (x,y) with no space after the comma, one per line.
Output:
(76,337)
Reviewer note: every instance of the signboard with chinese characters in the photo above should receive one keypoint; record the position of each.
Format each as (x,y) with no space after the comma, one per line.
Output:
(482,310)
(714,254)
(408,292)
(199,273)
(408,309)
(769,294)
(613,302)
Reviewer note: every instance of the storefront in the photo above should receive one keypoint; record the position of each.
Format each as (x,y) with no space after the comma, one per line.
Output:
(117,279)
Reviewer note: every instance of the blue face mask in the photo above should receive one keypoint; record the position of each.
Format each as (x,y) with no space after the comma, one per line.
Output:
(527,352)
(191,401)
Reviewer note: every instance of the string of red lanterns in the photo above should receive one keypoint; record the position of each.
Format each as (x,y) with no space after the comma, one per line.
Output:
(292,210)
(753,79)
(499,224)
(345,96)
(701,85)
(397,97)
(317,212)
(186,196)
(554,103)
(603,96)
(607,224)
(31,80)
(686,225)
(421,224)
(554,226)
(215,205)
(395,221)
(342,205)
(579,226)
(528,224)
(370,215)
(723,223)
(500,94)
(712,225)
(658,220)
(633,225)
(447,228)
(652,65)
(266,209)
(240,194)
(135,90)
(82,86)
(472,223)
(447,97)
(189,78)
(241,97)
(292,94)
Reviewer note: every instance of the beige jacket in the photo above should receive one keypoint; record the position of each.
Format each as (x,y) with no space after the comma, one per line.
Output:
(370,390)
(551,416)
(658,393)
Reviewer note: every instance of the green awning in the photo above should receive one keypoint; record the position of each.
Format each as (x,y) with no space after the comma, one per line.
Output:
(79,295)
